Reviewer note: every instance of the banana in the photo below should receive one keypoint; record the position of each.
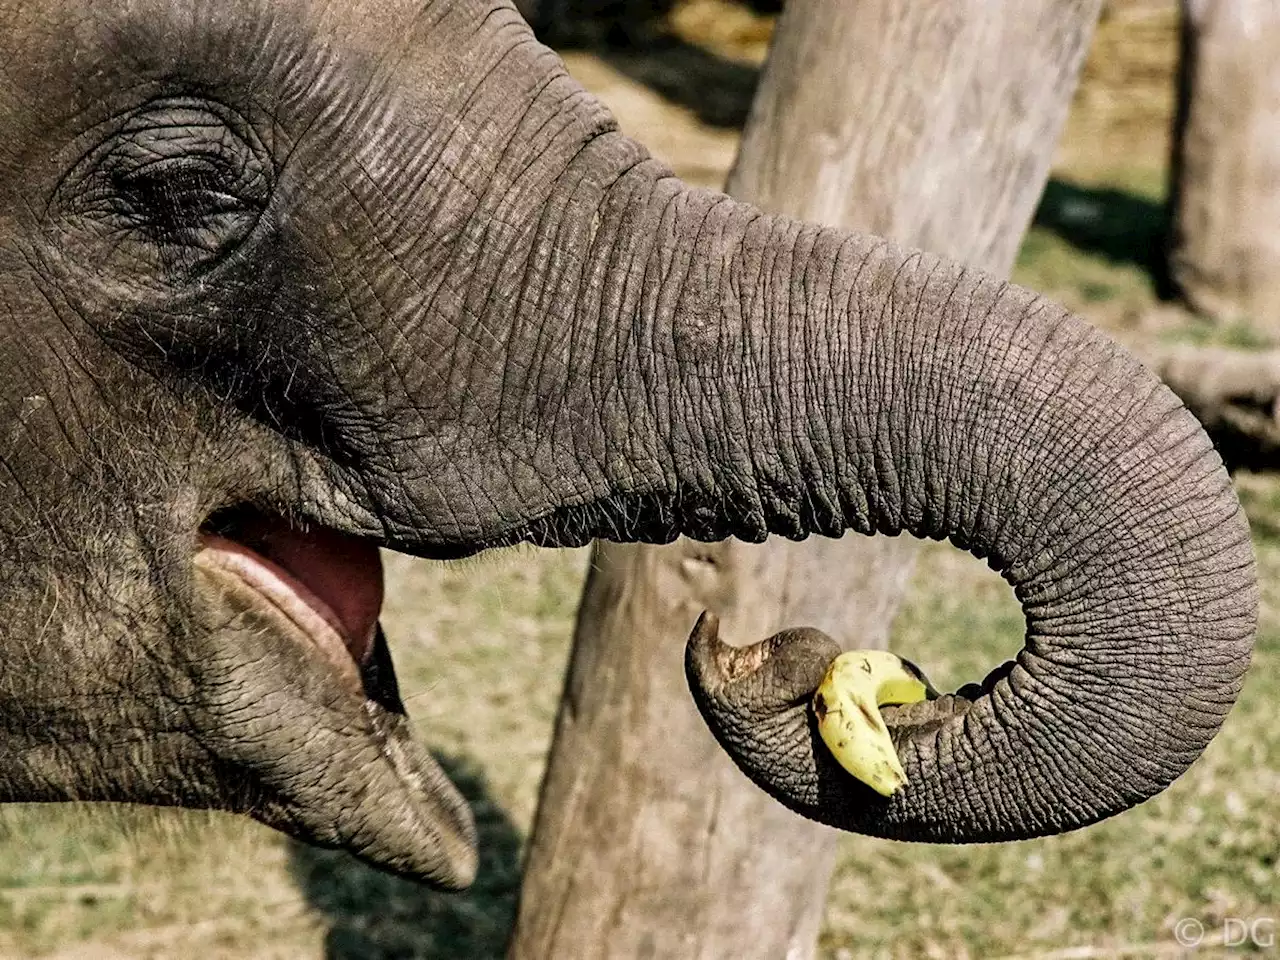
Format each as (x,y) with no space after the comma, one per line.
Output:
(847,706)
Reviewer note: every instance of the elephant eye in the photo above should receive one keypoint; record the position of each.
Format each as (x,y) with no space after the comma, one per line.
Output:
(174,188)
(183,203)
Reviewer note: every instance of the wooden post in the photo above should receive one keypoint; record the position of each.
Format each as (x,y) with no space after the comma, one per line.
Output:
(933,122)
(1224,256)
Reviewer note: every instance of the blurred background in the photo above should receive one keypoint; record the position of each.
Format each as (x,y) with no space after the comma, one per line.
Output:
(481,645)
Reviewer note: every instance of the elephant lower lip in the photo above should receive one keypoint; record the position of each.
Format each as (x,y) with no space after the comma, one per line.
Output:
(327,583)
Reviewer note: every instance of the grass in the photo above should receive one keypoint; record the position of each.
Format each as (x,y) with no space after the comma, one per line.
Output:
(1095,239)
(1206,848)
(114,882)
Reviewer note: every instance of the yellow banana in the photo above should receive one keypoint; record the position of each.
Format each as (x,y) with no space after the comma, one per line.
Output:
(847,706)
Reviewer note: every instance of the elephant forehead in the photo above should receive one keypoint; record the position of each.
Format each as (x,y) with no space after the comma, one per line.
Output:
(64,59)
(383,89)
(184,23)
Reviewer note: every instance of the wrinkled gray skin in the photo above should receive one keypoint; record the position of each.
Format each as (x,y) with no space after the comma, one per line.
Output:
(388,271)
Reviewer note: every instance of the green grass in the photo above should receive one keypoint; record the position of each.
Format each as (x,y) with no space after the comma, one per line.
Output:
(1206,848)
(115,882)
(1239,333)
(148,884)
(1093,241)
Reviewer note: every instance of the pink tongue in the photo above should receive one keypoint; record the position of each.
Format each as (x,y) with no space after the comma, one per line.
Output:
(343,572)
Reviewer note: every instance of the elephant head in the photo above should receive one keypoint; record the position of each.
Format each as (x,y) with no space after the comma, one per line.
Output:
(286,282)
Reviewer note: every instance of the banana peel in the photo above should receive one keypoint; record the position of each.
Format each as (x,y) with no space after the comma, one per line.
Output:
(847,706)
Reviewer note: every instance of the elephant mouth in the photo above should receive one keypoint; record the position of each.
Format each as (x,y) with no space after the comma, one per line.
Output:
(304,682)
(326,585)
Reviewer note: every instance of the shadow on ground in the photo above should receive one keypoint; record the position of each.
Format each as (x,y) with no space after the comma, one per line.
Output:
(632,36)
(717,90)
(1122,227)
(373,916)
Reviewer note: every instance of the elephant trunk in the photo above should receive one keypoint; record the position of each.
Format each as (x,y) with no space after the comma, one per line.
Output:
(755,375)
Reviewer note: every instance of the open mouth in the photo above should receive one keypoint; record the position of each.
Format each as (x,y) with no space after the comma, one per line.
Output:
(327,585)
(306,708)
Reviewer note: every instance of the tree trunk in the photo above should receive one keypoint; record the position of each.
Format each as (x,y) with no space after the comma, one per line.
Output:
(1234,393)
(932,122)
(1224,251)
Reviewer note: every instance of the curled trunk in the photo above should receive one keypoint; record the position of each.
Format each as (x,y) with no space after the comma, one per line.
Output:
(930,122)
(765,376)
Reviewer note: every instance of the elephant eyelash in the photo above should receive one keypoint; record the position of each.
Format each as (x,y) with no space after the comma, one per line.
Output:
(176,184)
(188,208)
(173,188)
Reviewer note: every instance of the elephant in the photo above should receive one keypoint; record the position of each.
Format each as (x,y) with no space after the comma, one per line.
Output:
(288,283)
